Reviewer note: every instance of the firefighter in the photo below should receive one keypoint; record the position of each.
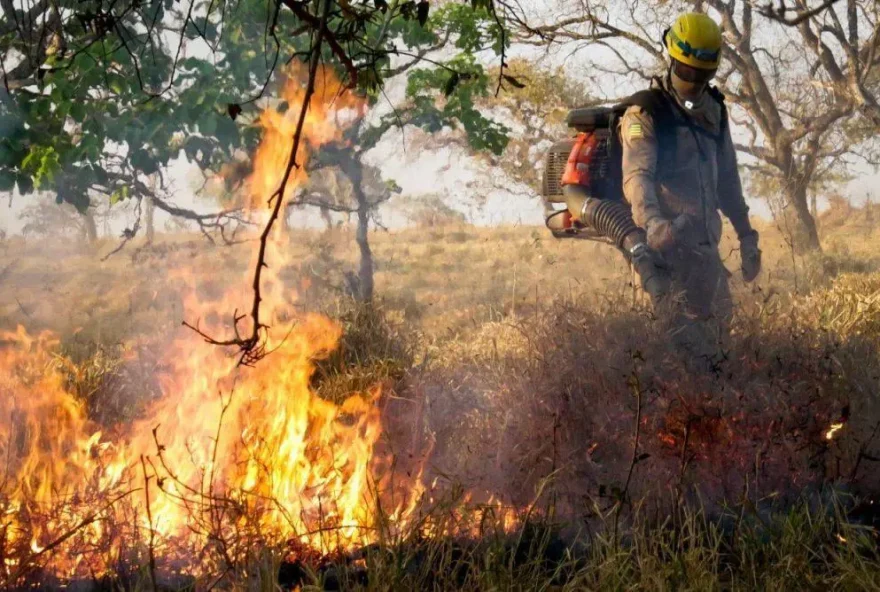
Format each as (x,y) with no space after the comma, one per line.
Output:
(679,170)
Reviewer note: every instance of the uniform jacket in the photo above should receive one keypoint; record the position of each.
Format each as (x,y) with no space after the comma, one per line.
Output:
(697,177)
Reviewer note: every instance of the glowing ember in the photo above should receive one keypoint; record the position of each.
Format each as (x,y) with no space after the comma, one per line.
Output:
(835,427)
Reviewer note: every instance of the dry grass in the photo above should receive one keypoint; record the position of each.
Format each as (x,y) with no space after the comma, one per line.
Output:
(525,361)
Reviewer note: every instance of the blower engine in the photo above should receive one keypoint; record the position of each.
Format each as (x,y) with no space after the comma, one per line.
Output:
(585,173)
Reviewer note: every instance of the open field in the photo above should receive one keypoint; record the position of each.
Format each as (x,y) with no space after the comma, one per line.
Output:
(521,369)
(442,281)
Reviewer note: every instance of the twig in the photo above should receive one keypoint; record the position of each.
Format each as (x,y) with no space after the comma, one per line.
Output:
(90,519)
(778,14)
(151,548)
(637,430)
(22,308)
(321,25)
(684,460)
(6,271)
(206,222)
(863,454)
(503,43)
(128,233)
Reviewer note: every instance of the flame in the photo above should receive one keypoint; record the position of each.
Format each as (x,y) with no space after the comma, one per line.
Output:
(835,427)
(229,457)
(330,104)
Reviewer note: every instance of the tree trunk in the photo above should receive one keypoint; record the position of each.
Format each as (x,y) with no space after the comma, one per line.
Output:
(149,215)
(354,170)
(90,227)
(365,274)
(797,196)
(325,215)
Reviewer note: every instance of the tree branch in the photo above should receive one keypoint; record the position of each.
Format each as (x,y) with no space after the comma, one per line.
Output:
(253,347)
(779,13)
(316,23)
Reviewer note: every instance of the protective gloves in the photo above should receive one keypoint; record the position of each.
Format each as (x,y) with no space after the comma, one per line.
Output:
(663,234)
(653,272)
(750,255)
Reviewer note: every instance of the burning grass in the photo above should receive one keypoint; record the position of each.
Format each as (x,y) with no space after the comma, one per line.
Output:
(487,441)
(558,393)
(540,435)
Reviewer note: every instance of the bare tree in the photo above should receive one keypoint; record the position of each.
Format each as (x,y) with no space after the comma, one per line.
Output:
(329,190)
(340,182)
(796,89)
(44,218)
(430,210)
(150,213)
(90,227)
(537,110)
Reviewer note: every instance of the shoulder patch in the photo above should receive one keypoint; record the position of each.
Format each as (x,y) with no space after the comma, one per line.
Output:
(634,131)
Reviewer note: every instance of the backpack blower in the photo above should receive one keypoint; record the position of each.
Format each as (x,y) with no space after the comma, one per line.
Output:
(584,174)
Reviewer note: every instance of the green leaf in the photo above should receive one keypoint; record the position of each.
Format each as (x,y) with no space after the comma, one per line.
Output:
(369,81)
(90,148)
(227,133)
(422,12)
(42,162)
(101,175)
(25,184)
(119,195)
(208,125)
(57,95)
(451,84)
(116,83)
(83,62)
(406,9)
(78,111)
(7,180)
(196,145)
(42,108)
(513,81)
(142,161)
(79,200)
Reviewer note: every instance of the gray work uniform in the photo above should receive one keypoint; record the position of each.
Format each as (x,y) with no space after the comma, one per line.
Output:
(698,180)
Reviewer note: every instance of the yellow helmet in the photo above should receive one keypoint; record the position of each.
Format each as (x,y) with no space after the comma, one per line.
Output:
(694,39)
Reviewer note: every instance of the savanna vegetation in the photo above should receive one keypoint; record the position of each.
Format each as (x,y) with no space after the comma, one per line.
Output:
(520,371)
(232,404)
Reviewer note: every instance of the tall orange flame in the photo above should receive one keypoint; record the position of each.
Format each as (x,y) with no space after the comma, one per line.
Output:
(228,457)
(330,104)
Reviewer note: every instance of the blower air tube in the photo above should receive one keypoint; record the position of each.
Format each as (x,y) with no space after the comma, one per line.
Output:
(614,220)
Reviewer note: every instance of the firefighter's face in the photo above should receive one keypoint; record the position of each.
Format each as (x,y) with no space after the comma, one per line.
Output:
(690,82)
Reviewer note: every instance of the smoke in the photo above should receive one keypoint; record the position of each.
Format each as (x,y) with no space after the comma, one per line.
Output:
(554,399)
